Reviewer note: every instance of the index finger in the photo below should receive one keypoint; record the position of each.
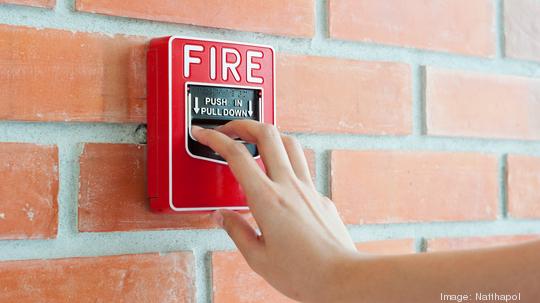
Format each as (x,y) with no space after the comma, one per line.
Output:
(269,143)
(246,170)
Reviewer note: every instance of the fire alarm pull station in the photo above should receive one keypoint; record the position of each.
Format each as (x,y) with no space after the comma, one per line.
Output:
(205,83)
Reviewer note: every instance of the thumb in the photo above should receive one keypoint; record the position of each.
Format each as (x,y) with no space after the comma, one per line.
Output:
(243,235)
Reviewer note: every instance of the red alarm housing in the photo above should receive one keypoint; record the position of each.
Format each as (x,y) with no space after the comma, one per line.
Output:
(206,83)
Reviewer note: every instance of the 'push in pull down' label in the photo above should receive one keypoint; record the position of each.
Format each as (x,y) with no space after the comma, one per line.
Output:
(223,103)
(212,106)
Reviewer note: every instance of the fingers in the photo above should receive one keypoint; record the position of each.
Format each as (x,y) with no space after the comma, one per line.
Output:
(247,172)
(243,235)
(297,159)
(269,144)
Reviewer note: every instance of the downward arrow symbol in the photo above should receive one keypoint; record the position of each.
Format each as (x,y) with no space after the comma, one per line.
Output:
(196,108)
(250,109)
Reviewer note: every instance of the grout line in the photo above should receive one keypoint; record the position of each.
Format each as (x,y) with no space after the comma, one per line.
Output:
(321,20)
(209,277)
(503,187)
(65,7)
(69,187)
(324,173)
(322,142)
(199,241)
(69,132)
(420,245)
(202,279)
(499,28)
(418,76)
(53,133)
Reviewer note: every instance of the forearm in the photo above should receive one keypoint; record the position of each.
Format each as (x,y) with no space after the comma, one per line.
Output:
(423,277)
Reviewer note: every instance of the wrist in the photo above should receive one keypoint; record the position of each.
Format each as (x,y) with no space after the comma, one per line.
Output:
(341,278)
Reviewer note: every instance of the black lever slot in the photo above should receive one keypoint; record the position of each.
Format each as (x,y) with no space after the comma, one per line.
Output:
(211,106)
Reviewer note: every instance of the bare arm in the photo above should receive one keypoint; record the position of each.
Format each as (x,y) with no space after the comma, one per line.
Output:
(426,277)
(305,251)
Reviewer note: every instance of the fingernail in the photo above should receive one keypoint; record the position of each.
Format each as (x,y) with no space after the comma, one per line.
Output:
(217,216)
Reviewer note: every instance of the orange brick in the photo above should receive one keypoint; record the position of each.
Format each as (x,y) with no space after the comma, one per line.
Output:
(523,183)
(460,26)
(55,75)
(29,191)
(37,3)
(317,94)
(480,105)
(280,17)
(113,196)
(387,247)
(444,244)
(521,34)
(127,278)
(392,186)
(234,281)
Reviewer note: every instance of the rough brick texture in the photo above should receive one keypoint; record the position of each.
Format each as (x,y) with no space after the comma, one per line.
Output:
(164,278)
(385,187)
(37,3)
(280,17)
(116,201)
(318,94)
(523,185)
(76,77)
(29,191)
(445,244)
(460,26)
(522,29)
(469,104)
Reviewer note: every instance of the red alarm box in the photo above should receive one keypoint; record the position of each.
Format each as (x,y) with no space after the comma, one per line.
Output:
(206,83)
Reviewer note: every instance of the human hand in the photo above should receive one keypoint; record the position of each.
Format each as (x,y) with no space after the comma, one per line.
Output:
(303,239)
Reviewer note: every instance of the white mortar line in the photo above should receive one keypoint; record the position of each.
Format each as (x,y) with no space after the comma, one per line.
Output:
(203,241)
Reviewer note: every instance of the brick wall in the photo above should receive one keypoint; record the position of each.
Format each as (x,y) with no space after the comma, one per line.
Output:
(421,119)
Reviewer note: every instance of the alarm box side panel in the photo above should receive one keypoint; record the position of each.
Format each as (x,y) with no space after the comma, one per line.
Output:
(157,124)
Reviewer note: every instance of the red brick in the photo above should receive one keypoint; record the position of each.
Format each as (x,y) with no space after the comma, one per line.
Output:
(387,247)
(55,75)
(460,26)
(445,244)
(318,94)
(481,105)
(37,3)
(29,191)
(234,281)
(521,23)
(392,186)
(523,183)
(112,194)
(280,17)
(127,278)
